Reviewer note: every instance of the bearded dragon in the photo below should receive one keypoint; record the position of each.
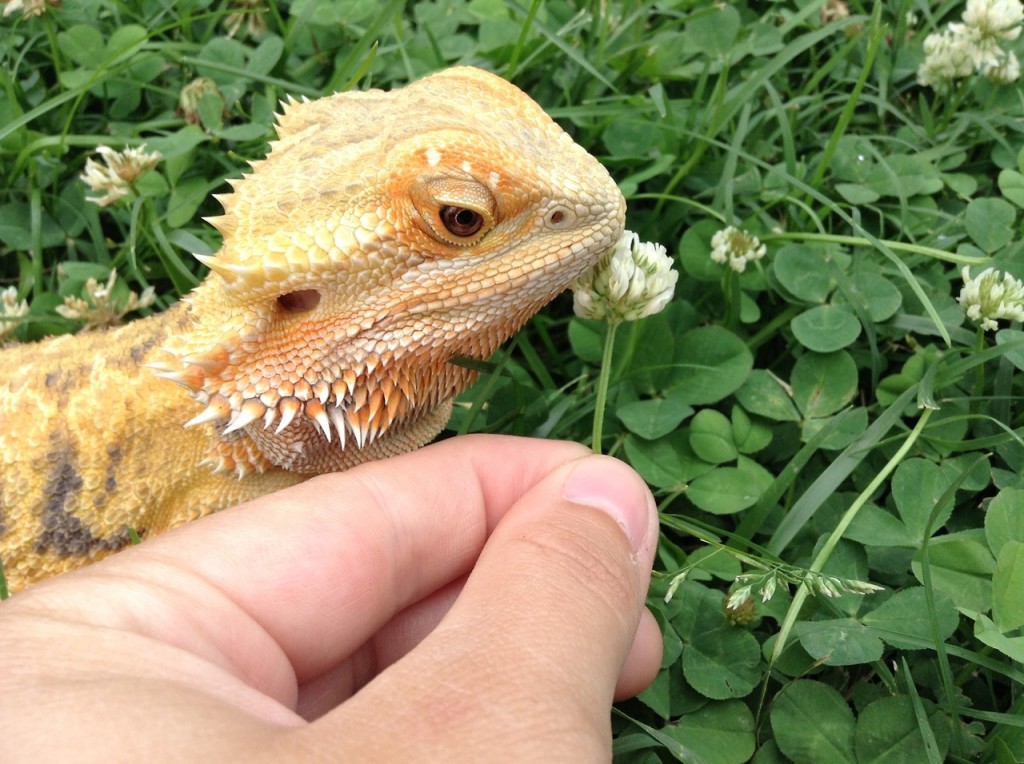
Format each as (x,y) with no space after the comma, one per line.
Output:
(384,234)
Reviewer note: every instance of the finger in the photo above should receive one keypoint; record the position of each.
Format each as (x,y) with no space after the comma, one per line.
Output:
(323,565)
(543,628)
(644,659)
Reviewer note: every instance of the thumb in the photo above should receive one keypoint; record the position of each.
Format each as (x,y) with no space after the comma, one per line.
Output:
(527,661)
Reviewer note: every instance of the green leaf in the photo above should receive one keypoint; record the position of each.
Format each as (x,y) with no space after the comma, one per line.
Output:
(713,33)
(714,362)
(823,383)
(124,38)
(1011,183)
(1007,585)
(880,296)
(905,175)
(825,328)
(711,437)
(845,427)
(917,486)
(653,418)
(804,271)
(875,526)
(666,462)
(726,490)
(839,641)
(1013,355)
(855,193)
(988,633)
(1004,520)
(763,394)
(83,44)
(813,724)
(905,614)
(724,662)
(990,222)
(962,567)
(887,732)
(720,733)
(748,435)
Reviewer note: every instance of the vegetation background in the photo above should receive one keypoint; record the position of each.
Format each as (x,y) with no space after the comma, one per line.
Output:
(825,418)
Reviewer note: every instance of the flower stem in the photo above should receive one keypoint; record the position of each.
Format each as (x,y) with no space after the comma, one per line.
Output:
(602,386)
(818,564)
(979,373)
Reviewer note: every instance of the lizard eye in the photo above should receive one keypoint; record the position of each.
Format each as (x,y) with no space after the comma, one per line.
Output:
(461,221)
(299,301)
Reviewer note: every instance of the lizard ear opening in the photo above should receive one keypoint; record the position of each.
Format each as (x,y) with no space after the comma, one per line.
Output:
(299,301)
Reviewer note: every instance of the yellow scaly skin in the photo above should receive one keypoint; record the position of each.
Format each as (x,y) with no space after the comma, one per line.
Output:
(384,234)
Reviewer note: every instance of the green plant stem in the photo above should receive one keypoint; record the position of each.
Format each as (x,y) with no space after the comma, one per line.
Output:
(830,544)
(860,241)
(602,386)
(979,373)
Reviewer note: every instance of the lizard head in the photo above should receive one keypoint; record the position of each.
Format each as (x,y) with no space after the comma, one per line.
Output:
(384,234)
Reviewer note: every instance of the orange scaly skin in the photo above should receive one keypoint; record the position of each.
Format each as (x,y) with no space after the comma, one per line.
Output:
(384,234)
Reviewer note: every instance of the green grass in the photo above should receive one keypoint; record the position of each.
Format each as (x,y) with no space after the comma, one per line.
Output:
(828,416)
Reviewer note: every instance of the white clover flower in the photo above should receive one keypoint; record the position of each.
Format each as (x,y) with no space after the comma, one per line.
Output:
(10,310)
(736,248)
(120,169)
(1005,72)
(974,45)
(28,8)
(101,310)
(949,55)
(988,297)
(248,13)
(634,280)
(995,18)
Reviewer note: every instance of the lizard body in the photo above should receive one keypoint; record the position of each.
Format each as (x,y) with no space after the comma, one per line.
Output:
(384,234)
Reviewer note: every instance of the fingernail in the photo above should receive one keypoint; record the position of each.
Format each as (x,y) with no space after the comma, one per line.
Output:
(607,484)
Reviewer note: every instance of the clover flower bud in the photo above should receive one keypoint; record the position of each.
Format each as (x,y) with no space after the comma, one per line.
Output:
(10,311)
(736,248)
(120,169)
(995,18)
(962,49)
(989,297)
(634,280)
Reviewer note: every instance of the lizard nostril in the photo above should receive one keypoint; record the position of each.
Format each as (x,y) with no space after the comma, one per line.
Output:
(299,301)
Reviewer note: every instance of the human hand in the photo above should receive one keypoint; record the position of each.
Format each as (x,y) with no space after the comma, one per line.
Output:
(467,601)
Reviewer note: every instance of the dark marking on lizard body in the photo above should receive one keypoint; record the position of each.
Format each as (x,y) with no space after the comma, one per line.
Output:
(62,532)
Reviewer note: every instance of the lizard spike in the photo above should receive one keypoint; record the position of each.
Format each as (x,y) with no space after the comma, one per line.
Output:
(303,390)
(339,391)
(406,386)
(158,366)
(315,411)
(213,363)
(322,391)
(218,409)
(359,397)
(288,407)
(177,377)
(223,223)
(394,405)
(375,405)
(230,272)
(371,363)
(337,416)
(349,378)
(359,423)
(251,411)
(269,417)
